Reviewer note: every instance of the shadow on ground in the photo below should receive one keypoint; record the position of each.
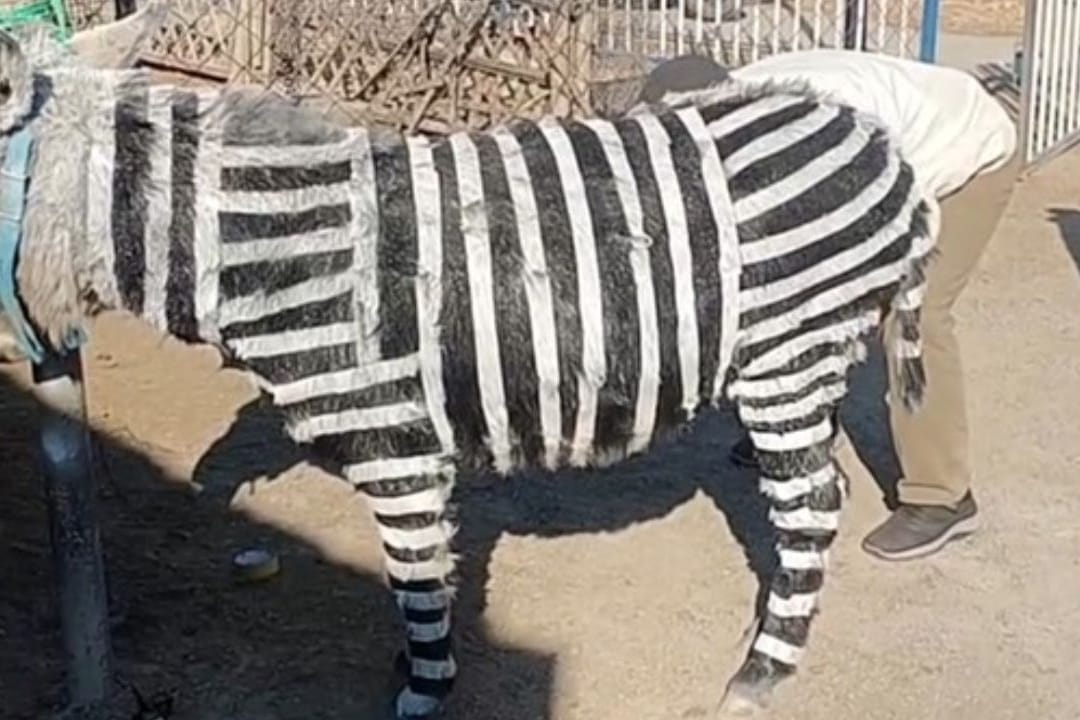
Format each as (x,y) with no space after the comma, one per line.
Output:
(536,504)
(865,420)
(315,642)
(318,641)
(1068,224)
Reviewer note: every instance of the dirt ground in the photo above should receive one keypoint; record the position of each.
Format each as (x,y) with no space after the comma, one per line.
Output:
(983,17)
(622,594)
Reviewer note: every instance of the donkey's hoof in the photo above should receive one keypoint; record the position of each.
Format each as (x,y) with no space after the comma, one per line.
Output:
(741,701)
(749,691)
(393,714)
(413,706)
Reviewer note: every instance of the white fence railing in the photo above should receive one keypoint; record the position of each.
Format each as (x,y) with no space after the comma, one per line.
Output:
(735,32)
(1050,78)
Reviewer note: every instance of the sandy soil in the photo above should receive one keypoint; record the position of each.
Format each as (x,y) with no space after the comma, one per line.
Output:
(618,595)
(983,17)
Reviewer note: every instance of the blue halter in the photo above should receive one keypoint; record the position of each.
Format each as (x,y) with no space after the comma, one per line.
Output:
(13,181)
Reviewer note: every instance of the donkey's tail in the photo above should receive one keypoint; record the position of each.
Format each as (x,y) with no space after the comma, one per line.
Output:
(904,335)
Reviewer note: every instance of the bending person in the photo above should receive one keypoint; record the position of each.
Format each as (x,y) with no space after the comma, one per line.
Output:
(962,147)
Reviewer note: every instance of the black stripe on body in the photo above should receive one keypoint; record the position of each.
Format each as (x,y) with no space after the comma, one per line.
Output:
(669,411)
(270,178)
(416,586)
(244,226)
(790,582)
(813,417)
(828,378)
(704,250)
(399,487)
(463,404)
(891,253)
(408,521)
(877,297)
(396,251)
(832,192)
(134,136)
(287,367)
(431,688)
(561,263)
(715,111)
(793,630)
(337,309)
(775,167)
(268,276)
(520,380)
(413,555)
(617,399)
(396,391)
(787,582)
(823,498)
(801,361)
(873,220)
(180,284)
(423,617)
(763,125)
(433,650)
(398,441)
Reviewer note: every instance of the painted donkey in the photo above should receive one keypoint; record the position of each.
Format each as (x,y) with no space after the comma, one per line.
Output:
(549,294)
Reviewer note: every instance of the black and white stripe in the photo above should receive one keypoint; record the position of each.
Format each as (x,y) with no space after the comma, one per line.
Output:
(832,233)
(548,294)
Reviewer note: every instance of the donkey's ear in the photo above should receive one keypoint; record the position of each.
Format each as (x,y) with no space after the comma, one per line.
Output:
(118,44)
(16,82)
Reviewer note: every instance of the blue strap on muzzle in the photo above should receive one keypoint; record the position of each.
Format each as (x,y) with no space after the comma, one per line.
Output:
(13,181)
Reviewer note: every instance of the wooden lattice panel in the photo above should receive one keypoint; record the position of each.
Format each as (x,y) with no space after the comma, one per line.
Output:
(435,65)
(222,39)
(524,62)
(87,13)
(432,65)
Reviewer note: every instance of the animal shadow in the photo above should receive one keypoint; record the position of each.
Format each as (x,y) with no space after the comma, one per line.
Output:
(318,640)
(644,488)
(187,638)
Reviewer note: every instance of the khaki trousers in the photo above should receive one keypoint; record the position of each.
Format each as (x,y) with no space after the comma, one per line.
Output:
(933,444)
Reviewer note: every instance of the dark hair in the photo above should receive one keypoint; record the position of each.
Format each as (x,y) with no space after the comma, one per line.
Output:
(680,74)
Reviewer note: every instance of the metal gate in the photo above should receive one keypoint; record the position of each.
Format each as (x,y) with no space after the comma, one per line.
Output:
(736,32)
(1050,84)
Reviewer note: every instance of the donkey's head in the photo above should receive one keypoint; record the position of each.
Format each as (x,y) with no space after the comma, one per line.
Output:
(16,82)
(32,49)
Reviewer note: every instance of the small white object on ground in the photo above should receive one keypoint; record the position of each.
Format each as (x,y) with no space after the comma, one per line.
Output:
(255,564)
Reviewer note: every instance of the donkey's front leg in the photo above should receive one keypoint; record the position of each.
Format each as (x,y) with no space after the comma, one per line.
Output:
(794,441)
(411,514)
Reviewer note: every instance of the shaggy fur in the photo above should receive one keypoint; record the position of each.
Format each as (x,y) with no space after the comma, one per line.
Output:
(549,294)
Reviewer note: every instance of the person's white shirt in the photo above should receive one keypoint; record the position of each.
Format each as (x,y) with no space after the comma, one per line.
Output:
(948,126)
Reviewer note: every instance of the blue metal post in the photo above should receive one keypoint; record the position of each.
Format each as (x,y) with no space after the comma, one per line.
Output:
(71,496)
(928,39)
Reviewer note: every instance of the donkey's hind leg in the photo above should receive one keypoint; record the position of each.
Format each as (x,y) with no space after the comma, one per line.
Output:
(411,514)
(791,416)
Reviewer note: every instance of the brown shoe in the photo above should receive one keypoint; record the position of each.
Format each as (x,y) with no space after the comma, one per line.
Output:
(915,531)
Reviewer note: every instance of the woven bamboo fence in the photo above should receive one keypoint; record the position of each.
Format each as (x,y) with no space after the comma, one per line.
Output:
(418,65)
